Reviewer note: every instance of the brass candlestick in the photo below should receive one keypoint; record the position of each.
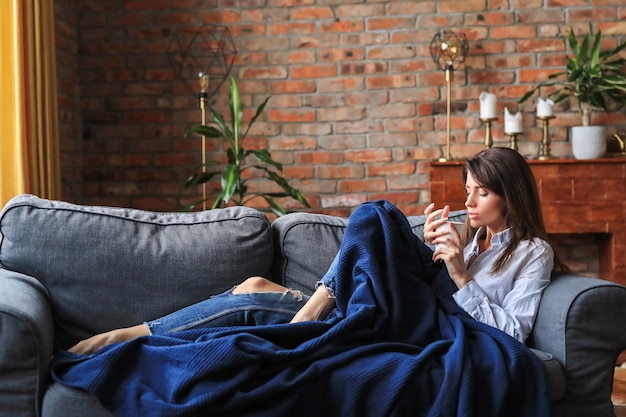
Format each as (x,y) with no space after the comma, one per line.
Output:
(622,145)
(488,137)
(544,151)
(513,138)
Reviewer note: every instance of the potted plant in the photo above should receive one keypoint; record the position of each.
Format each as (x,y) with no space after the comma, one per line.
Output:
(595,77)
(234,183)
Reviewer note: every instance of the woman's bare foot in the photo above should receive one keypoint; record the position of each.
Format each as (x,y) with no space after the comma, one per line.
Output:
(99,341)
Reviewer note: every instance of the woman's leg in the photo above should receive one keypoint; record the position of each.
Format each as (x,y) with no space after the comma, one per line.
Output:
(255,301)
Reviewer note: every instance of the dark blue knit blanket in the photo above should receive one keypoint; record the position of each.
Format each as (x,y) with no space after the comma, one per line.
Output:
(399,346)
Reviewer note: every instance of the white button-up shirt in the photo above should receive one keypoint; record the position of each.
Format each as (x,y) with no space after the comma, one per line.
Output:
(510,299)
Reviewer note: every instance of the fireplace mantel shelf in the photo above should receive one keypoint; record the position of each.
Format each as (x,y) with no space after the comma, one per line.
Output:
(577,197)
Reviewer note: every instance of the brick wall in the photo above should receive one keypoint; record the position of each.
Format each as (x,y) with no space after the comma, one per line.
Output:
(66,41)
(357,108)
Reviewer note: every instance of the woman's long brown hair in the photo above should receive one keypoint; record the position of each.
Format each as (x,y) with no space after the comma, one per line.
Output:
(506,173)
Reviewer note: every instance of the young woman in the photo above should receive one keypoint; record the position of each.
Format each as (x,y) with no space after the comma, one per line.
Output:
(500,266)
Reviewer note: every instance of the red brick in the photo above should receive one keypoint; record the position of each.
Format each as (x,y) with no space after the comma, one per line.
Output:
(291,28)
(291,115)
(370,185)
(392,168)
(343,26)
(340,85)
(390,23)
(317,158)
(348,171)
(369,156)
(512,32)
(396,81)
(452,6)
(266,72)
(391,52)
(292,87)
(337,54)
(313,13)
(221,17)
(313,71)
(286,144)
(487,77)
(363,68)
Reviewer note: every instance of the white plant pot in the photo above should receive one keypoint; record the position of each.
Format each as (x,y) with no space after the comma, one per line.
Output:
(588,142)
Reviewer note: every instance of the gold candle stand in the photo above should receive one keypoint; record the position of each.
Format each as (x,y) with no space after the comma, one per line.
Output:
(622,145)
(488,137)
(513,139)
(544,151)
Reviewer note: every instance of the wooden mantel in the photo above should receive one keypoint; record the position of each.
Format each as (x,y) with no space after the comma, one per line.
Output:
(577,197)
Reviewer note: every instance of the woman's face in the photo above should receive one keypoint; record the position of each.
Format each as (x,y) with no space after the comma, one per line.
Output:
(484,207)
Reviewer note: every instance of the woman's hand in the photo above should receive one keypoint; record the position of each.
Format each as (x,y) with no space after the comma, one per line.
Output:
(432,223)
(450,251)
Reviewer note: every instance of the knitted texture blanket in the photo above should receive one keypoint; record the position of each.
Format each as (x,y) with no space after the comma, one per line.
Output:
(397,346)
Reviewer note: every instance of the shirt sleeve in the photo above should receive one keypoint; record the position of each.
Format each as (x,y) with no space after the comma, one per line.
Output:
(516,314)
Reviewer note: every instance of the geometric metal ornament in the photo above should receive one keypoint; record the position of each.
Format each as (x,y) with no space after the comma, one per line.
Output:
(206,53)
(447,48)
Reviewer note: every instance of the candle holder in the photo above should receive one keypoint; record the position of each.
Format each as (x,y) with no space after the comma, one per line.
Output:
(488,137)
(513,139)
(622,145)
(544,151)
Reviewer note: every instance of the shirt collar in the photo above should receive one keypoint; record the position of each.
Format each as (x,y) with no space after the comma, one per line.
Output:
(499,239)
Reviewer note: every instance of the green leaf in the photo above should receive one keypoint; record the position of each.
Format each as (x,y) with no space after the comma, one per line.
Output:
(595,53)
(528,95)
(259,110)
(226,132)
(263,155)
(230,182)
(236,111)
(208,131)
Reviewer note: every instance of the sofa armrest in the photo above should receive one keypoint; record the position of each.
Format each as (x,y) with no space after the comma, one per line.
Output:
(26,338)
(581,322)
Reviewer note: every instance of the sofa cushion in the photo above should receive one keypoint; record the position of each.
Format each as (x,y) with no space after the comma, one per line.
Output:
(64,401)
(108,267)
(554,374)
(305,244)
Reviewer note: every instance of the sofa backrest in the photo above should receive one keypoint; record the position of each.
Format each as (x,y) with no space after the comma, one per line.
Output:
(109,267)
(305,244)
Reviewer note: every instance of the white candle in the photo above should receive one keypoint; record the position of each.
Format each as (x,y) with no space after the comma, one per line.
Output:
(487,105)
(512,122)
(544,107)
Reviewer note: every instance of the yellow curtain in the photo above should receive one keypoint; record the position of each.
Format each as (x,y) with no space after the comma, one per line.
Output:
(29,143)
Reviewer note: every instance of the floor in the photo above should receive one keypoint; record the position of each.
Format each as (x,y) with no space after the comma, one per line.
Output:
(619,392)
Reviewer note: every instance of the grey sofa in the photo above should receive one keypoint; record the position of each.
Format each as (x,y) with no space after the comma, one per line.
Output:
(70,271)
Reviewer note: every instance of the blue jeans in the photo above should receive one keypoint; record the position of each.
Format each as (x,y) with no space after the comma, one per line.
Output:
(247,309)
(228,309)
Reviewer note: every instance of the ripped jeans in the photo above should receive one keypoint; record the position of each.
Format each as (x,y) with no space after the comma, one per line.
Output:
(228,309)
(246,309)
